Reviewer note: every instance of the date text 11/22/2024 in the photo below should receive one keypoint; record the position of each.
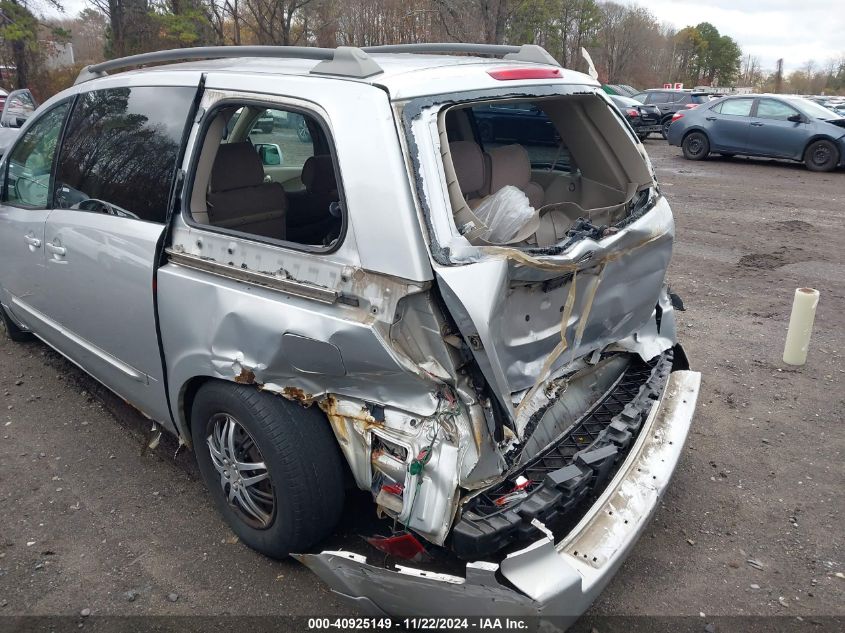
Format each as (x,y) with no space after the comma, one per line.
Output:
(417,624)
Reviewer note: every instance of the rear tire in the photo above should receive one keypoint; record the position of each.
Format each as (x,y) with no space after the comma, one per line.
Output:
(664,129)
(695,146)
(821,155)
(643,136)
(13,332)
(273,467)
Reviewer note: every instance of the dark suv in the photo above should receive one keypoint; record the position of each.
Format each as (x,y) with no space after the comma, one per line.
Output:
(671,101)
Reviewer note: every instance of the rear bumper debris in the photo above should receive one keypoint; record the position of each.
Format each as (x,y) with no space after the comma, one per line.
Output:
(556,581)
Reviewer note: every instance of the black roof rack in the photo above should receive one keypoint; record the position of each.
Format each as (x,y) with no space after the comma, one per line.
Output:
(524,53)
(344,61)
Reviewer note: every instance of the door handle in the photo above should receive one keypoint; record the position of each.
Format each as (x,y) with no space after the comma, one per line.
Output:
(56,250)
(756,124)
(34,242)
(709,118)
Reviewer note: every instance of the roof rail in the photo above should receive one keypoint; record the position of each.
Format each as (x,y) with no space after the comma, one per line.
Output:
(524,53)
(346,61)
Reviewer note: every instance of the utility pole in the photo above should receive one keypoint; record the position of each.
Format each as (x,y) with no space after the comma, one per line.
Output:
(779,76)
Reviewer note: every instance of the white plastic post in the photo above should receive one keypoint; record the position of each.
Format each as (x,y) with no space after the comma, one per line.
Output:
(800,326)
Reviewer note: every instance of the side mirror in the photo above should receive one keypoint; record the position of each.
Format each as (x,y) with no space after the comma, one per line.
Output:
(270,154)
(795,118)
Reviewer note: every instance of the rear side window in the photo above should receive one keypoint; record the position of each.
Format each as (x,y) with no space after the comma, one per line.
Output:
(735,107)
(268,173)
(120,149)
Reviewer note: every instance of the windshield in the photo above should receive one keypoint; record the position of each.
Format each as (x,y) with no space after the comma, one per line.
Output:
(813,110)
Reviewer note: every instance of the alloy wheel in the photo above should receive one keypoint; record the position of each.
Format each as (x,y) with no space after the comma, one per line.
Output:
(244,476)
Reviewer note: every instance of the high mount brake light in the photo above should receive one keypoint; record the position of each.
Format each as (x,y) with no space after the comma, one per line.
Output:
(513,74)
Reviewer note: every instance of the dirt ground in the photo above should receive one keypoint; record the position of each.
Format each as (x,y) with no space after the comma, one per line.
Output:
(751,524)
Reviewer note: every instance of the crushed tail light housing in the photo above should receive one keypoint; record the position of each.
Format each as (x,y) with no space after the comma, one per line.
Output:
(404,546)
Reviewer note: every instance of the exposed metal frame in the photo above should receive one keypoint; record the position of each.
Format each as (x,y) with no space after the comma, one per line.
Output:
(265,280)
(343,61)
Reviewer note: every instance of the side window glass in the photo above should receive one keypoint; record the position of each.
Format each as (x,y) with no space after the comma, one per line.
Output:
(271,175)
(717,108)
(31,161)
(120,149)
(773,109)
(737,107)
(522,123)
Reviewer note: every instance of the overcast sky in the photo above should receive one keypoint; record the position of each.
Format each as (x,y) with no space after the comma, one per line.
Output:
(796,30)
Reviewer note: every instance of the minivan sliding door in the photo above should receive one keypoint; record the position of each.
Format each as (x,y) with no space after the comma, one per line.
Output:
(112,189)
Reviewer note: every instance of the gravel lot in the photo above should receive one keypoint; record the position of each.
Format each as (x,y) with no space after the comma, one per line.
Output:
(751,525)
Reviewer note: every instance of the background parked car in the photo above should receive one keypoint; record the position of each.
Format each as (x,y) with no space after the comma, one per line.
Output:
(645,119)
(15,108)
(514,122)
(671,101)
(763,125)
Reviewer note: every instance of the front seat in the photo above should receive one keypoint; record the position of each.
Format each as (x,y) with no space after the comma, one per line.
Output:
(239,198)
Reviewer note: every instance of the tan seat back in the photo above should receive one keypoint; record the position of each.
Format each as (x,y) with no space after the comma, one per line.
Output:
(510,165)
(468,160)
(239,198)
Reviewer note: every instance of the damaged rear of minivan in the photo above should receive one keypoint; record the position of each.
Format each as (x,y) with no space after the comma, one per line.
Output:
(565,398)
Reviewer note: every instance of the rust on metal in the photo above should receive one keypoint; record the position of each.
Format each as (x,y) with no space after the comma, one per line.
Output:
(245,377)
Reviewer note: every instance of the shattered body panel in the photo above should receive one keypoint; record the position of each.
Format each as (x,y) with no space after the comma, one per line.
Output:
(557,581)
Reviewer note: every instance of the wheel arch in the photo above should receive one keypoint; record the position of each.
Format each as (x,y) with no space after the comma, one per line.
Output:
(696,128)
(822,137)
(185,403)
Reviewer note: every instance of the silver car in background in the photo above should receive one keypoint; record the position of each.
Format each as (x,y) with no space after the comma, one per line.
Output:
(771,126)
(476,331)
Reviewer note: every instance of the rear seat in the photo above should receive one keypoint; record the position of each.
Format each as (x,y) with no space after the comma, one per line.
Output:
(239,198)
(309,218)
(510,165)
(480,175)
(470,169)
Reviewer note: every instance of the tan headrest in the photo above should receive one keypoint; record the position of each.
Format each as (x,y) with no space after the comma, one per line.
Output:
(236,165)
(318,174)
(469,165)
(509,165)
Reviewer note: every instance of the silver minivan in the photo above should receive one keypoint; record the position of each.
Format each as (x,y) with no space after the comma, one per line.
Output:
(438,278)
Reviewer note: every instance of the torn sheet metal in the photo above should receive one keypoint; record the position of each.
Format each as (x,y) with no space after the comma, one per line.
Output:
(555,581)
(558,308)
